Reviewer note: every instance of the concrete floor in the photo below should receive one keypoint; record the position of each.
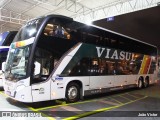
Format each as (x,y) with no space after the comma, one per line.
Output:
(150,104)
(91,108)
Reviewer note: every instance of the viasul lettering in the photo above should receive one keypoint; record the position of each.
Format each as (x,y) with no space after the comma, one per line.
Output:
(114,54)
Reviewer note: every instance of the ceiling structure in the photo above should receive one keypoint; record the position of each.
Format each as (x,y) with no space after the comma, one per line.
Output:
(14,13)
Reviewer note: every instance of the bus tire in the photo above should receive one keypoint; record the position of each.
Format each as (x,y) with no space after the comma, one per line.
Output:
(146,82)
(140,83)
(73,92)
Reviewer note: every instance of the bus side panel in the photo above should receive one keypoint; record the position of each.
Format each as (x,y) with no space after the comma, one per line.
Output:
(120,80)
(152,78)
(97,82)
(58,87)
(131,79)
(41,91)
(115,81)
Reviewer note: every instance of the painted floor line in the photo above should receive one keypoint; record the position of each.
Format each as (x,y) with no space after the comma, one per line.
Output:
(81,102)
(72,109)
(55,106)
(100,110)
(80,115)
(108,102)
(44,115)
(116,100)
(133,96)
(3,94)
(126,98)
(121,95)
(50,118)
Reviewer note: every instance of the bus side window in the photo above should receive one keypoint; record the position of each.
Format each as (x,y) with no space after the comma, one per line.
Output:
(81,68)
(59,32)
(55,30)
(94,67)
(45,59)
(103,67)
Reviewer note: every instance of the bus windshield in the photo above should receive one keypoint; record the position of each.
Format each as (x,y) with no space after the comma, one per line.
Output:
(20,49)
(17,62)
(3,37)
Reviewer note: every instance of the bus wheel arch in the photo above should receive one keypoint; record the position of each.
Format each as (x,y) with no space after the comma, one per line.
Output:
(146,82)
(140,82)
(73,91)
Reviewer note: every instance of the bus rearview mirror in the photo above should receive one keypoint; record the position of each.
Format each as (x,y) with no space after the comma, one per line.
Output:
(37,68)
(3,66)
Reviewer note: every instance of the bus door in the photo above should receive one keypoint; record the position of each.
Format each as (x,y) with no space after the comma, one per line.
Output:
(40,83)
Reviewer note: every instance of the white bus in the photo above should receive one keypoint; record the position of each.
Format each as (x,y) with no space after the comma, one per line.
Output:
(5,40)
(54,57)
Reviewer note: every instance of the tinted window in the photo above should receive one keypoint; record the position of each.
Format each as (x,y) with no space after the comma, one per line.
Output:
(3,37)
(78,67)
(29,30)
(10,38)
(3,56)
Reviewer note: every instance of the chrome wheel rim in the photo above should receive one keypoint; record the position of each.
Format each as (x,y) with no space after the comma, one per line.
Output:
(140,84)
(72,92)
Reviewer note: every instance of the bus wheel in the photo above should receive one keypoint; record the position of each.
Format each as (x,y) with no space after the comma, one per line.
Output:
(146,83)
(73,92)
(140,83)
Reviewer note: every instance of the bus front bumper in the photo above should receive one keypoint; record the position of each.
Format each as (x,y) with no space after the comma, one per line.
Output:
(20,93)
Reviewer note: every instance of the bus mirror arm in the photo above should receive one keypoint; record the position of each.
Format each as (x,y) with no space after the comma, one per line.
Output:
(37,68)
(53,79)
(3,66)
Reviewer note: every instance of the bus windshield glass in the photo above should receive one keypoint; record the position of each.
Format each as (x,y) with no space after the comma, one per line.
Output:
(29,30)
(17,62)
(3,55)
(3,37)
